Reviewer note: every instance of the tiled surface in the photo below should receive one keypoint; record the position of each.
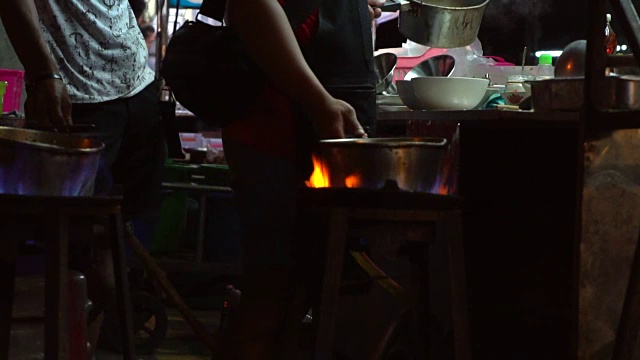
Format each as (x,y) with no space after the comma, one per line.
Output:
(181,342)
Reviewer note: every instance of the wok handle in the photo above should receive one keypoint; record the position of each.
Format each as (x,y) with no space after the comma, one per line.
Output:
(391,5)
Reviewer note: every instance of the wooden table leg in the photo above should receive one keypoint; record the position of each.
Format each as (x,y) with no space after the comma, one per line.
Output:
(122,285)
(56,345)
(10,238)
(335,250)
(629,323)
(451,227)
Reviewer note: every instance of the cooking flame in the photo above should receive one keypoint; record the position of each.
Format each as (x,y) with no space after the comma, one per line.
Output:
(441,186)
(352,181)
(319,178)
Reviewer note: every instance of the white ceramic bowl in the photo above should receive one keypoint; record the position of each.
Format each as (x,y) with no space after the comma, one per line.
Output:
(405,91)
(449,93)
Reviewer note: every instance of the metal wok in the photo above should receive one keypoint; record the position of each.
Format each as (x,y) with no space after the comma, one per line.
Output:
(413,164)
(47,163)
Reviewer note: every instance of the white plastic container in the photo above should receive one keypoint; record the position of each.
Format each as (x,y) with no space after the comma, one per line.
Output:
(545,67)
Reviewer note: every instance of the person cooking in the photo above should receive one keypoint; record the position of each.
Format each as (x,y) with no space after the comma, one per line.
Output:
(318,57)
(90,55)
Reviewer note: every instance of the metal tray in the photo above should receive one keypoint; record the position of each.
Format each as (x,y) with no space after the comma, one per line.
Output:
(567,94)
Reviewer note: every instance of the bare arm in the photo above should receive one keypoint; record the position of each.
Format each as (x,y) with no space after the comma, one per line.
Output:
(265,30)
(48,100)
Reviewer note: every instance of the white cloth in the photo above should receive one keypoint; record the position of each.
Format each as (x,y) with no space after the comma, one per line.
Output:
(98,46)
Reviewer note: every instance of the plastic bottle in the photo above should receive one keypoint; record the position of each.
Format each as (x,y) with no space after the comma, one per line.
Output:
(545,67)
(611,40)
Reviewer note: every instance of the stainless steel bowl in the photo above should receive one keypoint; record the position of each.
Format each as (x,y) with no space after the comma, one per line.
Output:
(439,65)
(412,163)
(571,62)
(384,65)
(48,164)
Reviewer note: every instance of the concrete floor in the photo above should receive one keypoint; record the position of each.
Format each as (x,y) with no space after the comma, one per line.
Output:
(27,335)
(180,343)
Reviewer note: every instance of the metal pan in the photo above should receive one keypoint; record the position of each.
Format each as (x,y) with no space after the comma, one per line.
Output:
(44,163)
(412,163)
(439,23)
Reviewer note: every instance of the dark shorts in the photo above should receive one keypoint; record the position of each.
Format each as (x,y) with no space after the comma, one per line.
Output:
(265,189)
(134,155)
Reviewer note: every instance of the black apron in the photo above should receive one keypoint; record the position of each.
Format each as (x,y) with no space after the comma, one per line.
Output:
(341,56)
(341,53)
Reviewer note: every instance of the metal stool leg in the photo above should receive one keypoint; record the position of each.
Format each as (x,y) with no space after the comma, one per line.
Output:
(335,247)
(56,281)
(122,285)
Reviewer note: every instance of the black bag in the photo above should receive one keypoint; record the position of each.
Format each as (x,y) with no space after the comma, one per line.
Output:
(209,71)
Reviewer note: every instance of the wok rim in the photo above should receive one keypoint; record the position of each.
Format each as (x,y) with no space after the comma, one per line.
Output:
(92,146)
(421,2)
(397,142)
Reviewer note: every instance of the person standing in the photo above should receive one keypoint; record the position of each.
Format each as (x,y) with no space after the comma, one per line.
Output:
(318,58)
(85,63)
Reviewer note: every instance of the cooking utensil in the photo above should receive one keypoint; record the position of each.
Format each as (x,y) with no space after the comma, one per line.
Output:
(439,23)
(439,65)
(413,163)
(45,163)
(571,62)
(384,64)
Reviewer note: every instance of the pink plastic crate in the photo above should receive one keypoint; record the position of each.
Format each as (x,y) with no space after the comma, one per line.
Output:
(406,63)
(14,79)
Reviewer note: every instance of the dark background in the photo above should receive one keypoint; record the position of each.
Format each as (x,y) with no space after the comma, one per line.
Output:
(510,25)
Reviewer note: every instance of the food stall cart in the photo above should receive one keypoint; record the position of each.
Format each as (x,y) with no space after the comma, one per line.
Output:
(550,214)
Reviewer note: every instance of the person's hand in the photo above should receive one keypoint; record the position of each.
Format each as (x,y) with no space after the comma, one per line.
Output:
(336,120)
(374,8)
(48,103)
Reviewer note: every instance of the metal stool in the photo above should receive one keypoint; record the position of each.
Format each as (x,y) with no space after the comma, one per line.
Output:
(351,209)
(53,215)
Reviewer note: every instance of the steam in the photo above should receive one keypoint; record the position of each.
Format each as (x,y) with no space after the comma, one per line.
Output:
(525,8)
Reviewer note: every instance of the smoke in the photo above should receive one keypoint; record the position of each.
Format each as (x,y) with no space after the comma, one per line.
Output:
(520,8)
(510,14)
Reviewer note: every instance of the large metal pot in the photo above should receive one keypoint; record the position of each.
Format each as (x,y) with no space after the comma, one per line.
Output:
(46,163)
(440,23)
(412,163)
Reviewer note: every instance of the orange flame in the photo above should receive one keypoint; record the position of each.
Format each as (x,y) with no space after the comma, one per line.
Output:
(352,181)
(443,189)
(319,178)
